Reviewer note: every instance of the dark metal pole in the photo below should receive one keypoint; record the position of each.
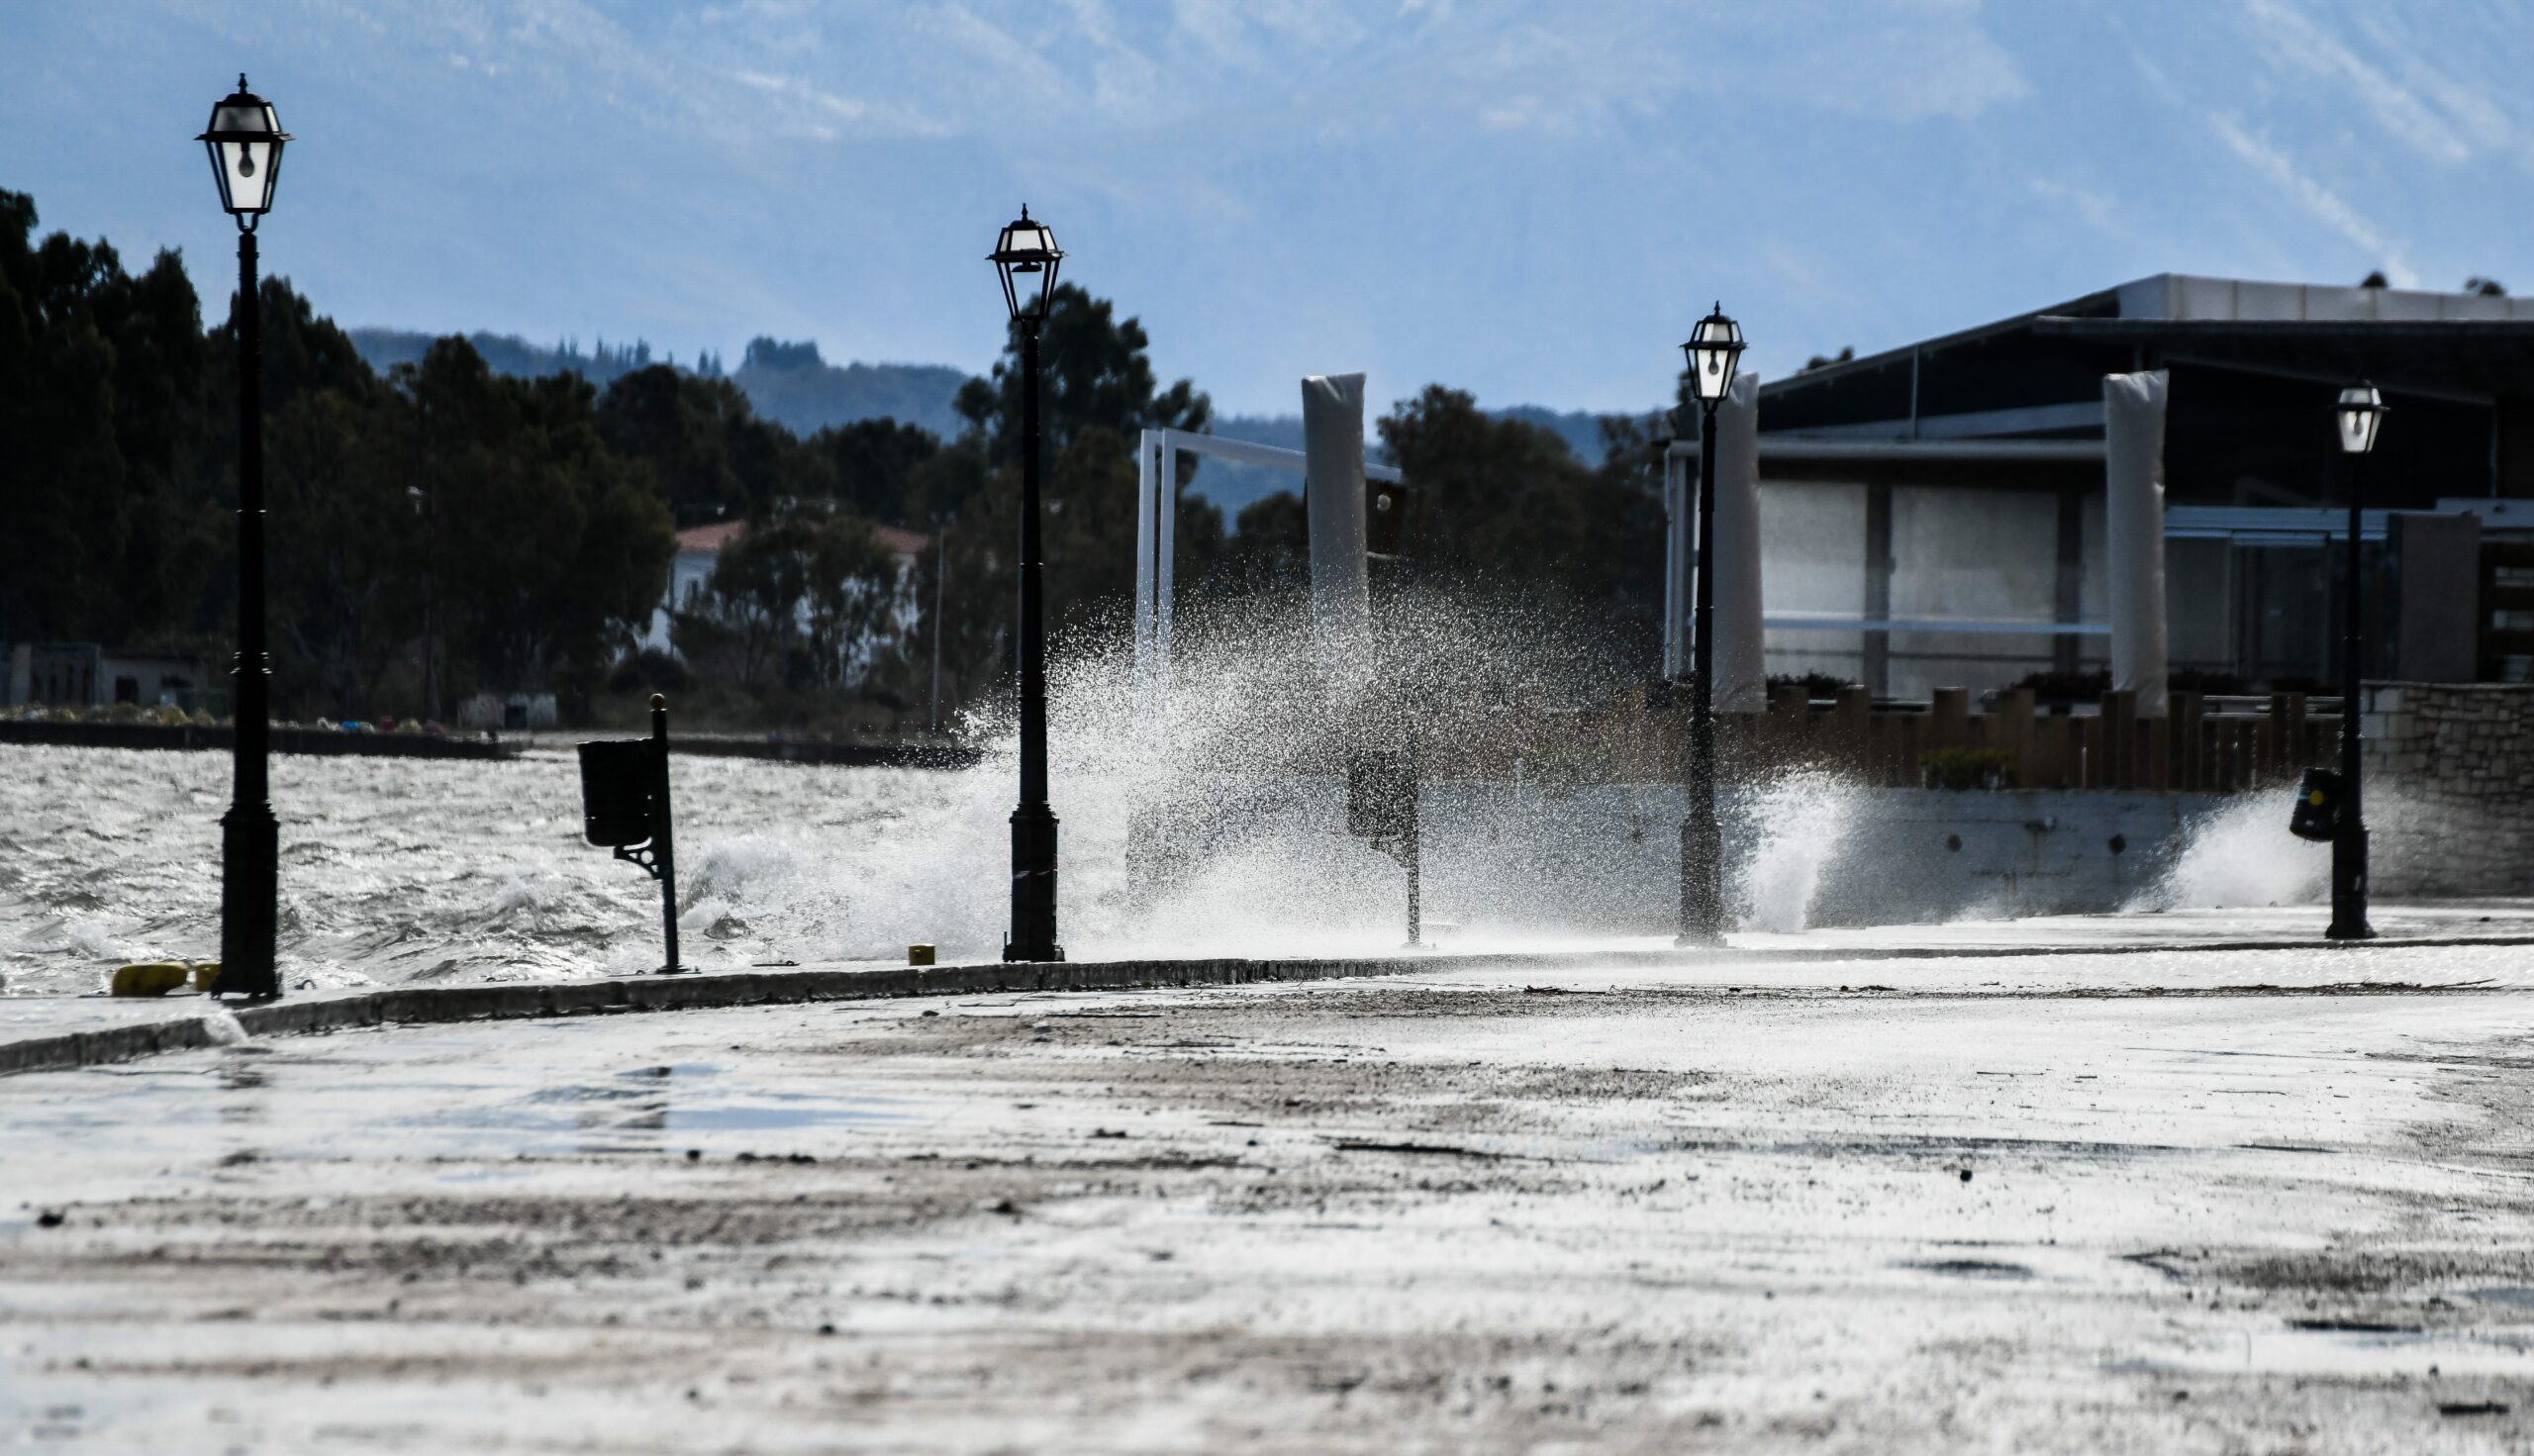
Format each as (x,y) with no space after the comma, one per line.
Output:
(1702,839)
(249,839)
(940,577)
(1034,824)
(663,840)
(430,594)
(1412,847)
(2349,831)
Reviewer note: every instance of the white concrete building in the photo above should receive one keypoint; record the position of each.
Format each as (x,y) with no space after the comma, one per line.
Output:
(1933,515)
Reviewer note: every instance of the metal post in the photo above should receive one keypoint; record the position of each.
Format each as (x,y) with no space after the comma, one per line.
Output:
(941,575)
(1702,839)
(663,849)
(249,839)
(431,604)
(1413,849)
(2349,831)
(1034,824)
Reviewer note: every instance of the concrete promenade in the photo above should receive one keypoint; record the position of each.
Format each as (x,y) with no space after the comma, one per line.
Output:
(52,1032)
(2179,1199)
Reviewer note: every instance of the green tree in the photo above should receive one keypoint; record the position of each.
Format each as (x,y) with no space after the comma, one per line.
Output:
(1100,394)
(347,545)
(705,447)
(1505,508)
(101,392)
(760,586)
(1097,375)
(853,600)
(874,463)
(550,550)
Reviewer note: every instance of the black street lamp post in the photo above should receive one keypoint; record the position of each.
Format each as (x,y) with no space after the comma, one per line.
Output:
(246,141)
(2360,414)
(1715,354)
(1026,256)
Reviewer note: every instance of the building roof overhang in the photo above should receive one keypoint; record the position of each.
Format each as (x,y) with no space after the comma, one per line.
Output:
(2464,345)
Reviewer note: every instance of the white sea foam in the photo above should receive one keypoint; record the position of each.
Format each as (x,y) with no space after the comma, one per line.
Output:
(1797,822)
(2240,855)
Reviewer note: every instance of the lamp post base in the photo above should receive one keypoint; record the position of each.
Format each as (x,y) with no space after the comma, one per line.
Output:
(1033,886)
(1702,867)
(2349,888)
(250,870)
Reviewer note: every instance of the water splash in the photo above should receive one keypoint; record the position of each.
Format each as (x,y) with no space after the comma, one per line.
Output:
(1797,826)
(1208,821)
(2240,855)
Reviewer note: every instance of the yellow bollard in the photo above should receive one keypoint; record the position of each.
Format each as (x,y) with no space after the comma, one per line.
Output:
(919,955)
(150,978)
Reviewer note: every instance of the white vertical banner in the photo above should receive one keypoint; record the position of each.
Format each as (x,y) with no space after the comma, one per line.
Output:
(1741,665)
(1333,505)
(1147,532)
(1679,547)
(1165,549)
(2133,466)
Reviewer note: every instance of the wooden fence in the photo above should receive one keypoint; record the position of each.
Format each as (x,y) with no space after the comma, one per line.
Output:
(2191,749)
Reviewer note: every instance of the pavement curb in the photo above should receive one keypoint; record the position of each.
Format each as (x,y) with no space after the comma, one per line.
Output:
(445,1005)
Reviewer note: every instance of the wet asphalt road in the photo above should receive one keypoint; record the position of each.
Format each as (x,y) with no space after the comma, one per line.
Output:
(2203,1202)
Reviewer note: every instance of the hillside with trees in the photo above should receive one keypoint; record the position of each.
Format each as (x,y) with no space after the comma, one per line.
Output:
(444,525)
(787,383)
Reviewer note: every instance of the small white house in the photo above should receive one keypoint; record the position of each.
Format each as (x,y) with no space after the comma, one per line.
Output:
(690,578)
(90,675)
(699,550)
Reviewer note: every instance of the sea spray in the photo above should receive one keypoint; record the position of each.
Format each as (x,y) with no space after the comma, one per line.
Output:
(2239,855)
(1794,825)
(1210,819)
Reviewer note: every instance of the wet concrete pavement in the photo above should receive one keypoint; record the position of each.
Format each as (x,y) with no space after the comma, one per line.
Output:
(2174,1202)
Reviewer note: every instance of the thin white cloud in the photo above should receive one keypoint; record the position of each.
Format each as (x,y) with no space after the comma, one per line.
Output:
(2293,40)
(2319,201)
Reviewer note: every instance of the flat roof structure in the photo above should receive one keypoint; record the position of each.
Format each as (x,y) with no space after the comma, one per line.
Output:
(2254,367)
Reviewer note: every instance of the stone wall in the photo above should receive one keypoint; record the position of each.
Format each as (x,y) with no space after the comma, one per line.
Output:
(2450,787)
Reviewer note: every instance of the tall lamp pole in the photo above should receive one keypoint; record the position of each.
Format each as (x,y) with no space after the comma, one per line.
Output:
(245,140)
(2360,414)
(1027,256)
(1715,354)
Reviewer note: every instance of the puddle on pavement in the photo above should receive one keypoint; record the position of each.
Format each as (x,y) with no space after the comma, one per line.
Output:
(639,1111)
(1968,1268)
(641,1082)
(2519,1295)
(2340,1351)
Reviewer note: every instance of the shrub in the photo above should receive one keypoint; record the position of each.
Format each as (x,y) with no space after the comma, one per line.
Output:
(2068,687)
(1967,768)
(648,670)
(1821,686)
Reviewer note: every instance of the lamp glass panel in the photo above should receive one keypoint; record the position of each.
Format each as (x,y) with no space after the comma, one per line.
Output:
(1711,368)
(2360,414)
(250,166)
(245,157)
(1032,288)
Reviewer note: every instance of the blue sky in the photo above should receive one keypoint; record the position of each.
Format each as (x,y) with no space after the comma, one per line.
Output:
(1529,200)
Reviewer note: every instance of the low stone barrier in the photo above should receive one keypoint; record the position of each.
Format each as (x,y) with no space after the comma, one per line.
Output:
(2450,786)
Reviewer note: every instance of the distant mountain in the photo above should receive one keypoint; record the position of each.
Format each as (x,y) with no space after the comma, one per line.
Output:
(1580,429)
(789,383)
(508,353)
(1232,487)
(785,382)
